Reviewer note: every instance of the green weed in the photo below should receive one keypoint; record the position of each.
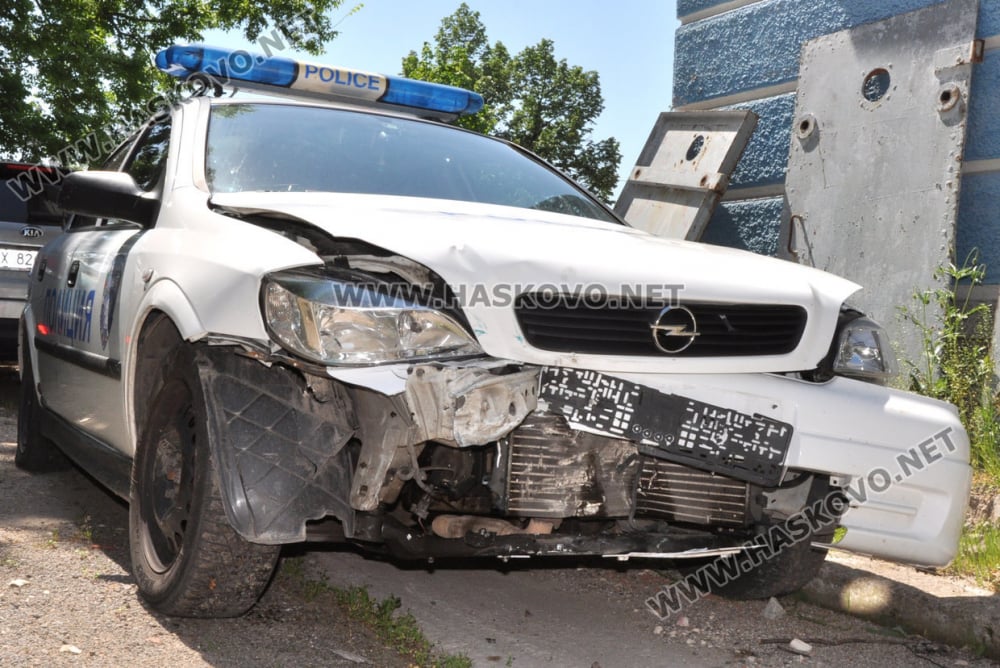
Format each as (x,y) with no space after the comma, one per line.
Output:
(956,364)
(398,630)
(979,554)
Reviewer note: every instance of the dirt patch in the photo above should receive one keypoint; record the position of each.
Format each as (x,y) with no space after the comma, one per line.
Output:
(984,505)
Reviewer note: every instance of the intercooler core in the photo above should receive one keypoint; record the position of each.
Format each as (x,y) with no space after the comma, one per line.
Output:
(554,471)
(680,493)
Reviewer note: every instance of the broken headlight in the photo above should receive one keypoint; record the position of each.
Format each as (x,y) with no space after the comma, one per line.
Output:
(332,321)
(863,351)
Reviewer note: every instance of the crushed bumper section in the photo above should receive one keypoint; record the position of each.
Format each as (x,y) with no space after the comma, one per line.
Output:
(279,445)
(471,405)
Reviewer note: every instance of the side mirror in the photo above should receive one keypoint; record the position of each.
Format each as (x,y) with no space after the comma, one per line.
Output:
(107,195)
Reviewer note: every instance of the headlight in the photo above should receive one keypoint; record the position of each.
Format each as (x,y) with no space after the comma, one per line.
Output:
(339,322)
(863,351)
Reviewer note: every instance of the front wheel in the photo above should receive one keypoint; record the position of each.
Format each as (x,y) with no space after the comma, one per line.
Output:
(782,558)
(187,559)
(784,573)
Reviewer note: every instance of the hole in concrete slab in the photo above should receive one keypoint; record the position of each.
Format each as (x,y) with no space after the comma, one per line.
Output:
(876,84)
(805,127)
(948,97)
(695,148)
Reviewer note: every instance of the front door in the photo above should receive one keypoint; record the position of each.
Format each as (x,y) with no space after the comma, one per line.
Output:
(75,304)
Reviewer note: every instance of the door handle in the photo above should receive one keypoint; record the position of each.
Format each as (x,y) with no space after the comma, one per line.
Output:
(74,270)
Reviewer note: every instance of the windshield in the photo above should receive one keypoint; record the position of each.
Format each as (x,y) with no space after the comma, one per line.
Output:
(289,148)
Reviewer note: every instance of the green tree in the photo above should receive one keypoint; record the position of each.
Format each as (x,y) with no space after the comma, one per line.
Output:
(532,99)
(70,68)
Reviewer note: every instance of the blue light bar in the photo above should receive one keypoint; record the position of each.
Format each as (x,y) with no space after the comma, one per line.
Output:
(275,74)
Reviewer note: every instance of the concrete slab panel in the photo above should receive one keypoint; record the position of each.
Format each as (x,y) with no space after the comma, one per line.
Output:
(875,159)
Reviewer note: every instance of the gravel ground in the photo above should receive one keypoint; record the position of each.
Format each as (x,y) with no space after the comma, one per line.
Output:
(67,596)
(593,614)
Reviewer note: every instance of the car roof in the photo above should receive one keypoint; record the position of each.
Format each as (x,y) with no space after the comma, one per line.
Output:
(257,97)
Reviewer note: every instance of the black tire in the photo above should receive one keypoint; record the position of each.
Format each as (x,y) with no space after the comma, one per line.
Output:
(784,573)
(187,559)
(34,452)
(792,564)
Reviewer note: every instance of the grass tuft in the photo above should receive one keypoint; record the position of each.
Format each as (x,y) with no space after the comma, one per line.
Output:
(979,554)
(956,363)
(399,631)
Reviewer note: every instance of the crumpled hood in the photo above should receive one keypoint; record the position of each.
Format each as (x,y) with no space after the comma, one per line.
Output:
(489,253)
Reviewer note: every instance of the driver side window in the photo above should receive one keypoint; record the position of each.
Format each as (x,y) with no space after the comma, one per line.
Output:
(150,156)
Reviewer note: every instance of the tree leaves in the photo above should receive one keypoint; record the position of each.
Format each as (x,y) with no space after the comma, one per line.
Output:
(71,68)
(532,99)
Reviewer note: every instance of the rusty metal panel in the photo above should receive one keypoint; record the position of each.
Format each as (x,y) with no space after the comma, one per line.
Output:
(876,154)
(683,170)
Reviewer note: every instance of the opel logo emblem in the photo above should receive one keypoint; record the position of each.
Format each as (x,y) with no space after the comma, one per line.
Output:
(32,232)
(675,329)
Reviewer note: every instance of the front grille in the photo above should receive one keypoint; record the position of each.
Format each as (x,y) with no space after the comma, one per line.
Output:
(682,494)
(723,329)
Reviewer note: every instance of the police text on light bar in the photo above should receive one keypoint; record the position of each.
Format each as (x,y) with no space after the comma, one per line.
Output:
(276,74)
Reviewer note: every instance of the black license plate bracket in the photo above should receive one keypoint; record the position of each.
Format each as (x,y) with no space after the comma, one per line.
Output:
(669,426)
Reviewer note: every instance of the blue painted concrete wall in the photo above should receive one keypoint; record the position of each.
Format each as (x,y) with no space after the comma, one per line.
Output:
(753,52)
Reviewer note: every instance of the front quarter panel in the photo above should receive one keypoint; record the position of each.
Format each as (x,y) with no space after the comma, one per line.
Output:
(205,276)
(216,263)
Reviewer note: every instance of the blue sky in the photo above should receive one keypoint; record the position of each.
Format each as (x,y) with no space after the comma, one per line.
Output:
(629,43)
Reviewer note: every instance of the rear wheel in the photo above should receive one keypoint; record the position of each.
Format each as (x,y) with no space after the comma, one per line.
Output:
(34,452)
(187,559)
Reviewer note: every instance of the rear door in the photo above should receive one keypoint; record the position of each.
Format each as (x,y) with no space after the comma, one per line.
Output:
(76,303)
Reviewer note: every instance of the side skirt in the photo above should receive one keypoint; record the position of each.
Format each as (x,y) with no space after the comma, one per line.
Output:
(109,466)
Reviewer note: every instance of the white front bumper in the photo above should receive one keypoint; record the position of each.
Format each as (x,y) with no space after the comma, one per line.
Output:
(850,429)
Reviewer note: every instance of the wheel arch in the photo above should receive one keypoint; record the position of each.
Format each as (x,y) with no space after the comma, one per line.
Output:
(167,318)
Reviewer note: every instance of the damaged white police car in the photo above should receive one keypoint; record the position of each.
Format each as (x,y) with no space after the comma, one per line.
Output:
(329,315)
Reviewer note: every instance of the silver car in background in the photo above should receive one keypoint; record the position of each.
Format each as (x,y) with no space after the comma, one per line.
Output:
(28,219)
